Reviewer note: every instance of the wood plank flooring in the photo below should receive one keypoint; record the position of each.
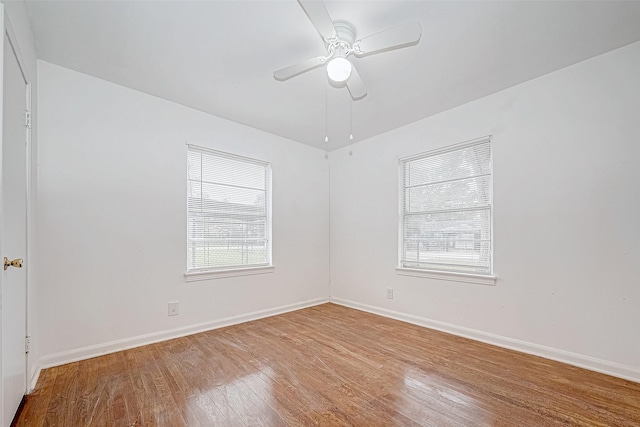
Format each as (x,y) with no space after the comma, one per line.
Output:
(332,366)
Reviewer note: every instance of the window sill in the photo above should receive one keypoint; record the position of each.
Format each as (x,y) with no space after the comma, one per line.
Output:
(194,276)
(479,279)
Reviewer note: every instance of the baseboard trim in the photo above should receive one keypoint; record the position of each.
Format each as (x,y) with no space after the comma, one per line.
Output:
(62,358)
(35,374)
(591,363)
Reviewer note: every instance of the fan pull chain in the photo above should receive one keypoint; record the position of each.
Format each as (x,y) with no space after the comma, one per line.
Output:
(326,116)
(350,119)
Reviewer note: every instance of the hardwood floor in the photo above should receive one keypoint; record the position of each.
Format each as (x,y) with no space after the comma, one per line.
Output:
(327,365)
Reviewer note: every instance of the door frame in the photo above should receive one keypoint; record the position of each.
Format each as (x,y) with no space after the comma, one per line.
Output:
(7,31)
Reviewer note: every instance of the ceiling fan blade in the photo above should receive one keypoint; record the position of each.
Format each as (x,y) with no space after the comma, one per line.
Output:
(299,68)
(355,84)
(393,38)
(319,17)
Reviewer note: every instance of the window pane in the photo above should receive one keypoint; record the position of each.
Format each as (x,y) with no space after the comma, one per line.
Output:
(465,193)
(466,162)
(457,239)
(451,258)
(232,172)
(226,253)
(218,198)
(212,227)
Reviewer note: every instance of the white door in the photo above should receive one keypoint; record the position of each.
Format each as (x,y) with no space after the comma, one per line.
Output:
(14,233)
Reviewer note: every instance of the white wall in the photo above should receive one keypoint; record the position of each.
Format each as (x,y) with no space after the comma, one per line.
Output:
(112,218)
(21,28)
(567,240)
(566,218)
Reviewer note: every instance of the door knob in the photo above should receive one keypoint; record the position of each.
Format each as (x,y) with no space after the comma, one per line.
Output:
(17,263)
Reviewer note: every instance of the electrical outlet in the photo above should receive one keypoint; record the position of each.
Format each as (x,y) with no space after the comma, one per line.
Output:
(174,308)
(389,293)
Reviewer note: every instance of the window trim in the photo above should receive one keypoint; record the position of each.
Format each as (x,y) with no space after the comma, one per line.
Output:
(478,278)
(197,274)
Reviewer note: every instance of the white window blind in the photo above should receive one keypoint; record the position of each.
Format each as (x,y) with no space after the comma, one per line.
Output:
(228,215)
(446,209)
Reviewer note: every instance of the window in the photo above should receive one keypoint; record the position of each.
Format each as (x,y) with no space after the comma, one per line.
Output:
(446,210)
(228,211)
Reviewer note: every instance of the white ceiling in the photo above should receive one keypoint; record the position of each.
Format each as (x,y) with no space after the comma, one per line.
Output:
(219,56)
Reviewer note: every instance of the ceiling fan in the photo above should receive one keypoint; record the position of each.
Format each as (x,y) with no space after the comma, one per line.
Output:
(339,40)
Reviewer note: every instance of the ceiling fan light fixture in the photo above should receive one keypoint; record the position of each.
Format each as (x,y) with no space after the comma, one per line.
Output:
(339,69)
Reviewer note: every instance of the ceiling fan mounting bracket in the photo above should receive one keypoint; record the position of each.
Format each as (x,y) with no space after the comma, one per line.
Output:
(340,46)
(346,32)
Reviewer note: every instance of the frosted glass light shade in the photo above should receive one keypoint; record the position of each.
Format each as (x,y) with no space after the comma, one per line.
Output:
(339,69)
